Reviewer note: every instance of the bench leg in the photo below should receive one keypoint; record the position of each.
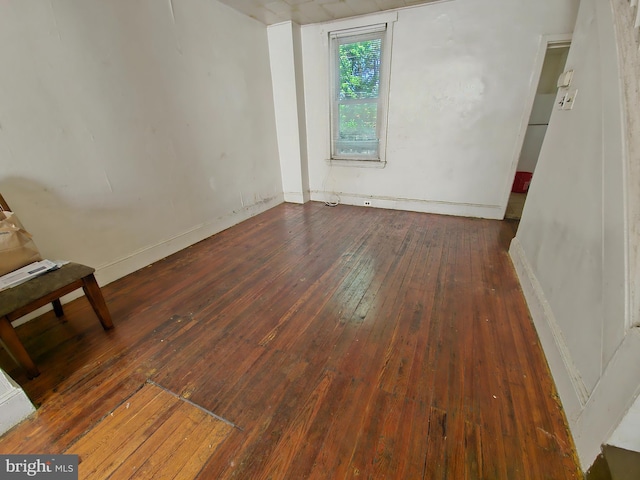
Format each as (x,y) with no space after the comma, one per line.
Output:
(57,308)
(94,294)
(16,349)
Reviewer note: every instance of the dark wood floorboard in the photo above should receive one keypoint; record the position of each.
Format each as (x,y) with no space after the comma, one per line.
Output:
(342,342)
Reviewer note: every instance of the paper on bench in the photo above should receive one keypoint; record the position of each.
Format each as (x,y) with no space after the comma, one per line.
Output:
(26,273)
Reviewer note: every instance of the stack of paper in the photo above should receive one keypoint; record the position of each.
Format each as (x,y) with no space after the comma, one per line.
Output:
(27,272)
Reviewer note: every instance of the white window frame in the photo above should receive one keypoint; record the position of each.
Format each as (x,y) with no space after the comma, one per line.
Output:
(341,30)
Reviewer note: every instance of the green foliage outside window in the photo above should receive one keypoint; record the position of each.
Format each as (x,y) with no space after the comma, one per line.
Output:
(358,94)
(360,69)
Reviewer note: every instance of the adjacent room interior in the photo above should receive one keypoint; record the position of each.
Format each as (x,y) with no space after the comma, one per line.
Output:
(303,247)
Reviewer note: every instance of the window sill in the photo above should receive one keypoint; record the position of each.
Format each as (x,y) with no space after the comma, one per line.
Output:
(345,162)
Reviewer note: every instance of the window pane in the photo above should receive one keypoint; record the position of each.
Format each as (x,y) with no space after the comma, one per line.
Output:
(360,69)
(357,99)
(358,132)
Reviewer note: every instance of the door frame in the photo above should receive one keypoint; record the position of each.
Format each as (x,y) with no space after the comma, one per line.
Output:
(546,42)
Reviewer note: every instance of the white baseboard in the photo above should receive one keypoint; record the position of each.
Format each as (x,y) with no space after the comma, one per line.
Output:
(15,406)
(612,398)
(592,416)
(413,205)
(296,197)
(119,268)
(571,389)
(114,270)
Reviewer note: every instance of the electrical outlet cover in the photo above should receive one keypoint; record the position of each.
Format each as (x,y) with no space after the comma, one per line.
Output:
(562,100)
(570,99)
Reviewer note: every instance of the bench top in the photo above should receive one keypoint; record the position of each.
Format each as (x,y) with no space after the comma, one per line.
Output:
(21,295)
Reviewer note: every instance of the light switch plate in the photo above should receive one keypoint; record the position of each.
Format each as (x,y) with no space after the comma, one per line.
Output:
(565,79)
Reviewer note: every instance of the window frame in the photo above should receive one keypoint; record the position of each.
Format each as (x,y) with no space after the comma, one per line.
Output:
(382,30)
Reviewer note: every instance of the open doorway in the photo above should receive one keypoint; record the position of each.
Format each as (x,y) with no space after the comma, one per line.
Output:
(555,60)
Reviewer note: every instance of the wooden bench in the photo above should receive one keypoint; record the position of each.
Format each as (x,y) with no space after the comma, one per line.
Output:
(18,301)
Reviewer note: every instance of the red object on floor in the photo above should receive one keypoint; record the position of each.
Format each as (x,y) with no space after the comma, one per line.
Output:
(521,182)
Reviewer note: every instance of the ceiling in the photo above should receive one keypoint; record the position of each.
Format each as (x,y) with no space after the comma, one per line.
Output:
(314,11)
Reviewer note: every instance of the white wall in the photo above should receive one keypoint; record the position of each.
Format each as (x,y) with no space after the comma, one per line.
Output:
(627,433)
(15,406)
(288,97)
(459,95)
(129,130)
(571,249)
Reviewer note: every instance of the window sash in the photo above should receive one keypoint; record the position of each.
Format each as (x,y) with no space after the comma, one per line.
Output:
(356,145)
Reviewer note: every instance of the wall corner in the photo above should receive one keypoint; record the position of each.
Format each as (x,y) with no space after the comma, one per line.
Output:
(15,406)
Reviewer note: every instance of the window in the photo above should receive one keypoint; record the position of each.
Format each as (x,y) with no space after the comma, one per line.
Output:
(358,107)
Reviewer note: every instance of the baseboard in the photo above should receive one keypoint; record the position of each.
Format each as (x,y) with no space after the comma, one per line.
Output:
(119,268)
(15,406)
(114,270)
(296,197)
(494,212)
(592,416)
(611,399)
(571,389)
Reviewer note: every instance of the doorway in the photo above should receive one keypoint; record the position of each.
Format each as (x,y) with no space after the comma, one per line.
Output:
(555,60)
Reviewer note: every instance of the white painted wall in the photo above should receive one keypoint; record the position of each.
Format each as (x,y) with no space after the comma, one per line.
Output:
(129,130)
(15,406)
(627,434)
(459,95)
(571,249)
(288,97)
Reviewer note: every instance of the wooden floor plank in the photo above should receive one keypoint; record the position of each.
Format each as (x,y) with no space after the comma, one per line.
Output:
(288,445)
(104,447)
(153,435)
(155,448)
(343,342)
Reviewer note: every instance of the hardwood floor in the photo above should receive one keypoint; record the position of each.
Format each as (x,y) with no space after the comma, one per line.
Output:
(341,342)
(154,435)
